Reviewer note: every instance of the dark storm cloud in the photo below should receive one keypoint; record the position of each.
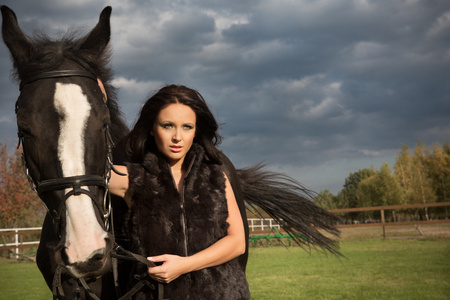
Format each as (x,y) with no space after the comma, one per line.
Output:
(316,89)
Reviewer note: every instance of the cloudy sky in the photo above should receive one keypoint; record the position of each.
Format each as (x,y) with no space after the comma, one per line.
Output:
(314,89)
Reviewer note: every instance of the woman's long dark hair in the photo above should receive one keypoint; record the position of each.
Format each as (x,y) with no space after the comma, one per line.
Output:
(139,141)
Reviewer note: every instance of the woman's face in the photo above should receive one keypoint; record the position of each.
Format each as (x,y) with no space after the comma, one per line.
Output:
(174,132)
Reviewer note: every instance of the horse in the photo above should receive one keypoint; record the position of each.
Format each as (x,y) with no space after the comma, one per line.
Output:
(61,113)
(70,127)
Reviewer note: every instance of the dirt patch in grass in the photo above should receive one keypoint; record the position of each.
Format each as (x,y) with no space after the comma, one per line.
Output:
(397,232)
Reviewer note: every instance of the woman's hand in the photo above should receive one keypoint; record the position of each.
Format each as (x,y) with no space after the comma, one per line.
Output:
(172,267)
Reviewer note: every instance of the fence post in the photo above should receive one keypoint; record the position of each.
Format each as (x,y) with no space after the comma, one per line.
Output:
(383,223)
(17,243)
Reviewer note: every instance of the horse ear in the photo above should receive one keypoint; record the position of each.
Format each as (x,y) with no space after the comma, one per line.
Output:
(14,38)
(98,38)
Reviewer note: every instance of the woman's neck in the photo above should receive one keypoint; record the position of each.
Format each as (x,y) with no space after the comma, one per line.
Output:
(178,175)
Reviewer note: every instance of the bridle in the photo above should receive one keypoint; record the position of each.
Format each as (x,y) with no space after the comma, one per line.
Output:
(57,74)
(74,183)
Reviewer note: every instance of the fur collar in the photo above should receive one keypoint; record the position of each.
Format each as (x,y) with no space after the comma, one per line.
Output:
(155,163)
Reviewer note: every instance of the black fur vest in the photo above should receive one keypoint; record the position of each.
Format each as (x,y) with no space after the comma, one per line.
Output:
(164,222)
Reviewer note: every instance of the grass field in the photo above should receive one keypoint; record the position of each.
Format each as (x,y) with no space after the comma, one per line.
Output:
(394,268)
(389,269)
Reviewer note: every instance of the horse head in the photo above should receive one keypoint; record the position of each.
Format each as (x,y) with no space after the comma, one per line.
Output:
(63,123)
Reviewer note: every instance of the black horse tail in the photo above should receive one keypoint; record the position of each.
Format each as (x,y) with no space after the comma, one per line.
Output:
(291,205)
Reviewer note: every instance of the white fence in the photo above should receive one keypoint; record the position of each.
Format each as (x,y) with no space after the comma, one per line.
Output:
(18,238)
(257,224)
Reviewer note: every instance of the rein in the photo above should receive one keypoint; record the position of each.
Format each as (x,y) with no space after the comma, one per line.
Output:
(75,184)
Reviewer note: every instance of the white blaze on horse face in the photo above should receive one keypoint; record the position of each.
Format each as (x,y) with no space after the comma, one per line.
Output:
(84,235)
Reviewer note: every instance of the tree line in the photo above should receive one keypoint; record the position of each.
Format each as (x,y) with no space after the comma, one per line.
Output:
(19,205)
(419,175)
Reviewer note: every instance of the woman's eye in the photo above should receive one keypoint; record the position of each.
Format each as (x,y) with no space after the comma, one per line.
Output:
(166,126)
(188,127)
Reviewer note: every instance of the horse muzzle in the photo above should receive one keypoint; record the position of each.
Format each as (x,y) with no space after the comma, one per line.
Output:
(97,263)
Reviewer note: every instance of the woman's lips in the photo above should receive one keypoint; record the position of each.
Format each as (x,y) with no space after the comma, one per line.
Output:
(175,148)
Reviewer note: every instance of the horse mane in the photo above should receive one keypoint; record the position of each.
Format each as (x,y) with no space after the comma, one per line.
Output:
(48,54)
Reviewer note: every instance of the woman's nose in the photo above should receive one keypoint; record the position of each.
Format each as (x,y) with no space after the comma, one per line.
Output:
(177,136)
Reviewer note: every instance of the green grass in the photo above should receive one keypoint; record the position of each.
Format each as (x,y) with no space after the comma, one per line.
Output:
(373,269)
(22,281)
(381,269)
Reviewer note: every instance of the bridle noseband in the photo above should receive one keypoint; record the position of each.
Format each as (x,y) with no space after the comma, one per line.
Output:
(74,183)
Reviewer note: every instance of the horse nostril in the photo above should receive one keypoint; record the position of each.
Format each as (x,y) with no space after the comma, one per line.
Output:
(98,254)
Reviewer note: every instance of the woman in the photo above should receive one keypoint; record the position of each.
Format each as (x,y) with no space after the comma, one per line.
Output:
(183,211)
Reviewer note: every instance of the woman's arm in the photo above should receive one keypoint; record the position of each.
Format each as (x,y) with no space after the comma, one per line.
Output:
(118,184)
(225,249)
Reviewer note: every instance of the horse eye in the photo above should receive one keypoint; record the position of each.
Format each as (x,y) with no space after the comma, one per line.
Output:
(24,132)
(107,124)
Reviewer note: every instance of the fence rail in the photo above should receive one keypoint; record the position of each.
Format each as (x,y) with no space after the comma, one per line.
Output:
(390,207)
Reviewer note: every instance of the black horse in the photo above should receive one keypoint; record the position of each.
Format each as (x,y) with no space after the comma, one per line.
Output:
(68,121)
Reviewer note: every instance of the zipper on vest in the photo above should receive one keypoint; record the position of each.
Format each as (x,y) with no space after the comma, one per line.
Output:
(183,214)
(183,220)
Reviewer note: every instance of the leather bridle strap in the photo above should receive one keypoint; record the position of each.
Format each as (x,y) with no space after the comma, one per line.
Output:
(73,182)
(56,74)
(119,252)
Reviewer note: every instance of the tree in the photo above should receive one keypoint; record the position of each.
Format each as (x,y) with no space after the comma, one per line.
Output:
(19,205)
(403,173)
(349,195)
(439,171)
(380,189)
(421,183)
(326,200)
(367,193)
(390,190)
(351,186)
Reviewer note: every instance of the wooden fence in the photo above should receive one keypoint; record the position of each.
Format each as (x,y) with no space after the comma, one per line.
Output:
(382,210)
